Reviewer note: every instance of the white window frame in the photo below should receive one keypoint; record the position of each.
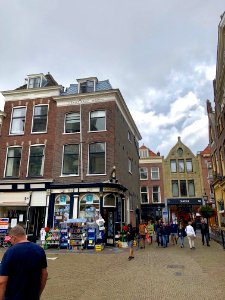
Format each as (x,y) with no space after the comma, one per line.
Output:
(72,174)
(34,78)
(145,172)
(129,136)
(143,153)
(95,174)
(6,161)
(39,132)
(78,113)
(154,172)
(144,193)
(129,165)
(158,192)
(10,128)
(104,205)
(43,161)
(93,111)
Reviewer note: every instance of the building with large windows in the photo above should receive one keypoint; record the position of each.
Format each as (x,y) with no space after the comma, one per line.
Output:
(68,153)
(151,184)
(183,183)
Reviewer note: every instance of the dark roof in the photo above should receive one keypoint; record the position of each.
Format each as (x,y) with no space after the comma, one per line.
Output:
(100,86)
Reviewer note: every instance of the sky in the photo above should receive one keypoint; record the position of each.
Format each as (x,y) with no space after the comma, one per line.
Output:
(160,54)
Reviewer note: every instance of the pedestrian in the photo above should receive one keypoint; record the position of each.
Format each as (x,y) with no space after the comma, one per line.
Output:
(130,241)
(150,230)
(204,232)
(173,233)
(181,234)
(23,272)
(190,235)
(142,233)
(164,235)
(157,228)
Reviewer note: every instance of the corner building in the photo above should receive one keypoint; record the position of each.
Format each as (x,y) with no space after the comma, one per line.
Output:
(68,153)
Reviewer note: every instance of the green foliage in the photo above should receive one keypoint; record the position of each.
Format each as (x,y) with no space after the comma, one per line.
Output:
(207,211)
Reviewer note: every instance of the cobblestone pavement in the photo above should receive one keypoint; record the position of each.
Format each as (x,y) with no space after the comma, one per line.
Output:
(154,273)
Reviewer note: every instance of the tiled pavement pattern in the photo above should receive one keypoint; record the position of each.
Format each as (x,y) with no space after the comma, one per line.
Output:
(155,273)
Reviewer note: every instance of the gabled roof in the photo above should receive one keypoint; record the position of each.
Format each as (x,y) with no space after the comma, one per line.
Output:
(151,153)
(205,151)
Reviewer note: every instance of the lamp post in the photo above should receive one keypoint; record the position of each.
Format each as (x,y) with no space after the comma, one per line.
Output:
(205,198)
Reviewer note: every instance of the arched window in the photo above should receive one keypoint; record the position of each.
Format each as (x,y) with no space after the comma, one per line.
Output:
(109,200)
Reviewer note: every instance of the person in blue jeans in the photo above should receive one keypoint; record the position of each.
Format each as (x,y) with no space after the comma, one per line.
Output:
(181,234)
(164,235)
(204,232)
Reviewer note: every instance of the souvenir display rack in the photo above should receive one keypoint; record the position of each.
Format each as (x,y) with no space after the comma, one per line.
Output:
(77,236)
(53,238)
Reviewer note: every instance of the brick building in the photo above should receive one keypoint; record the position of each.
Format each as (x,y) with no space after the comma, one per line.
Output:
(151,184)
(68,153)
(216,118)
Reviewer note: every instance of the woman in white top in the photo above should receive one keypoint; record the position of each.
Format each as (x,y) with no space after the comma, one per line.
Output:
(190,235)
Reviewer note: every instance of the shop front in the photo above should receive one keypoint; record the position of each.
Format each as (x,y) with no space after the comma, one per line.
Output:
(151,211)
(89,204)
(184,209)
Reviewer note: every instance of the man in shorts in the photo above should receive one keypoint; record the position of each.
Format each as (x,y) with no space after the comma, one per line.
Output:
(142,233)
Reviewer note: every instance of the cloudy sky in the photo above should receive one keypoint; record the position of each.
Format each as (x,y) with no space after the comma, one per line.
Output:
(160,54)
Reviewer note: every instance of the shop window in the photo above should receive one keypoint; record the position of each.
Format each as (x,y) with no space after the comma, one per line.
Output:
(191,188)
(181,165)
(109,200)
(62,209)
(13,162)
(97,120)
(173,166)
(156,194)
(154,173)
(89,207)
(143,173)
(70,160)
(175,189)
(40,118)
(183,188)
(18,120)
(36,161)
(189,166)
(72,122)
(144,194)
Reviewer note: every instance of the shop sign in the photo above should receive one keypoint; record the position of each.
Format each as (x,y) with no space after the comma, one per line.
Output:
(4,224)
(89,199)
(184,201)
(110,189)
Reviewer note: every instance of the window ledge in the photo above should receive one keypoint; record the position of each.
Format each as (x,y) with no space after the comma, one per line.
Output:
(39,132)
(96,174)
(69,175)
(89,131)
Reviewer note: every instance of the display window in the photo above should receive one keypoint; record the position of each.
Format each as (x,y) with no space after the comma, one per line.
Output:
(62,209)
(109,200)
(17,215)
(89,207)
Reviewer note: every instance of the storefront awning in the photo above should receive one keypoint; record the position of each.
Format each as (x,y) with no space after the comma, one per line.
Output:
(184,201)
(14,199)
(38,198)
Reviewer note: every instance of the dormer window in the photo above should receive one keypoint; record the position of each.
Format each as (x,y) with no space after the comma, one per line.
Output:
(36,81)
(87,86)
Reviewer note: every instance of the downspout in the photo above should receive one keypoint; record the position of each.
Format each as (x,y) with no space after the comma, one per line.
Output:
(81,146)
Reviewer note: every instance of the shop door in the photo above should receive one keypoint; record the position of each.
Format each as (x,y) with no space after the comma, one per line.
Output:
(109,217)
(36,221)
